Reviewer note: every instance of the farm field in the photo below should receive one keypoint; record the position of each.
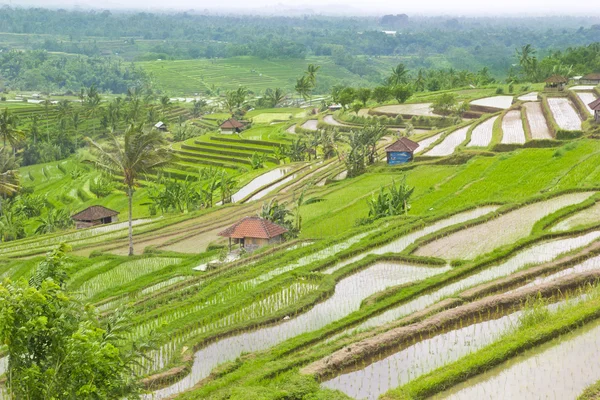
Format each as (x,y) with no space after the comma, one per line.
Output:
(187,77)
(533,96)
(537,121)
(512,128)
(565,115)
(482,134)
(587,98)
(449,143)
(499,102)
(408,109)
(324,313)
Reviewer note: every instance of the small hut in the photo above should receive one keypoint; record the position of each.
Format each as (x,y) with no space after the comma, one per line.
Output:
(595,106)
(94,215)
(161,126)
(230,126)
(556,83)
(590,79)
(401,151)
(254,232)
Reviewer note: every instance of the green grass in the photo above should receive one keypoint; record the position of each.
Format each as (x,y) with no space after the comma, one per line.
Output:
(194,76)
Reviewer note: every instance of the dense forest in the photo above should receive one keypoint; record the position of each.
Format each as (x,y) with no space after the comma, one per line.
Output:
(463,43)
(39,70)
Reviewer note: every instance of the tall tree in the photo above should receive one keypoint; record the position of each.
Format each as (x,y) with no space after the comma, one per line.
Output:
(399,75)
(8,129)
(57,348)
(139,152)
(303,87)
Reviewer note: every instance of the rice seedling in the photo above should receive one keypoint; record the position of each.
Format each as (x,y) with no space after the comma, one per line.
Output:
(508,228)
(564,113)
(482,134)
(347,298)
(512,128)
(537,121)
(124,273)
(450,143)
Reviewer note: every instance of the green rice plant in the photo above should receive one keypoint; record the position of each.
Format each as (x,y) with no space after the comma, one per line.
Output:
(125,273)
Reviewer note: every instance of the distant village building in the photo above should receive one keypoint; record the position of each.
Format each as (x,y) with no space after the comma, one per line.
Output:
(254,232)
(161,126)
(230,126)
(595,106)
(94,215)
(590,79)
(401,151)
(556,83)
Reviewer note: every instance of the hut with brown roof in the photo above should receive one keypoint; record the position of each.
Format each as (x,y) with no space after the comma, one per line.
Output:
(94,215)
(254,232)
(595,106)
(230,126)
(556,83)
(590,79)
(401,151)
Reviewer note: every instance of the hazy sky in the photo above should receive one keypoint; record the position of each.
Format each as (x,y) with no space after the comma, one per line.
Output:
(454,7)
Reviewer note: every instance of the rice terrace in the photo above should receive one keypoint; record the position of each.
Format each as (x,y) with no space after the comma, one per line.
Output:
(298,205)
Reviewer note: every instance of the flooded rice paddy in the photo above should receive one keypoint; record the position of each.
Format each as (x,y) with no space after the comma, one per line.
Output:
(398,245)
(425,143)
(512,128)
(450,143)
(581,218)
(311,125)
(482,134)
(425,356)
(259,182)
(500,102)
(560,369)
(536,254)
(508,228)
(347,298)
(564,113)
(537,121)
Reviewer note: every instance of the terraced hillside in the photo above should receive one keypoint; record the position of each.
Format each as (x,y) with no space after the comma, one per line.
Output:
(496,256)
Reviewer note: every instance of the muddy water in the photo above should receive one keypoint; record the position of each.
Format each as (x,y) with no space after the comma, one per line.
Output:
(560,369)
(403,242)
(588,265)
(348,295)
(534,255)
(413,361)
(272,188)
(259,182)
(419,359)
(311,125)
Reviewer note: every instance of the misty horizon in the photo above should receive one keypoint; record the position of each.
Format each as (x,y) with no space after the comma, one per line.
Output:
(509,8)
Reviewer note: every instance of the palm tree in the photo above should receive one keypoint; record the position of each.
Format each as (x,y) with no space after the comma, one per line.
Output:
(303,87)
(275,96)
(399,75)
(47,103)
(9,175)
(165,103)
(311,74)
(227,185)
(8,129)
(140,152)
(76,120)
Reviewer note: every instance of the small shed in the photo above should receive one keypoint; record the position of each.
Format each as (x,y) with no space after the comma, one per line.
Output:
(401,151)
(595,106)
(230,126)
(161,126)
(590,79)
(254,232)
(335,107)
(556,83)
(94,215)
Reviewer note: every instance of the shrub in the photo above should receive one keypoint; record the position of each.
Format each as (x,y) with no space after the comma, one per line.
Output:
(499,90)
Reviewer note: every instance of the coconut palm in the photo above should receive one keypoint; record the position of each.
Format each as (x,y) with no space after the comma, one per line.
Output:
(303,87)
(311,74)
(8,129)
(275,96)
(399,75)
(9,176)
(139,152)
